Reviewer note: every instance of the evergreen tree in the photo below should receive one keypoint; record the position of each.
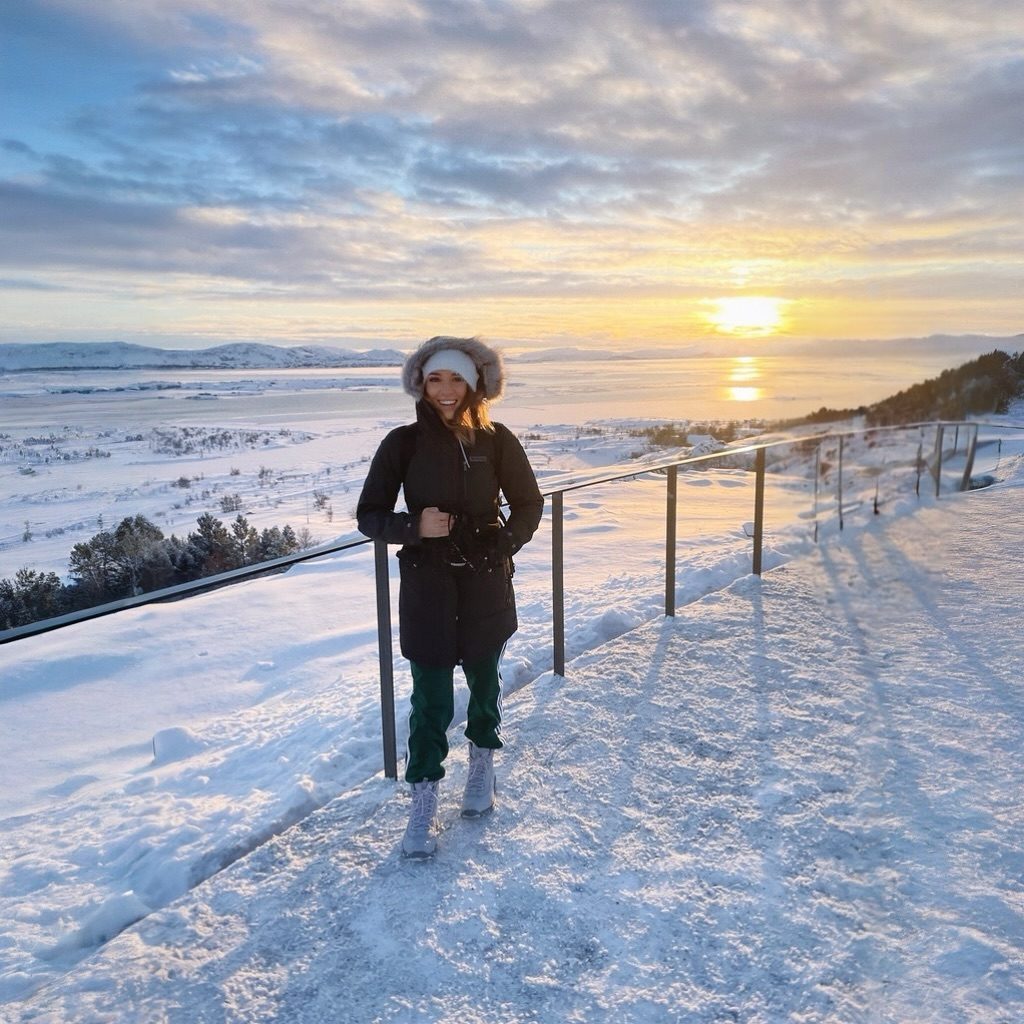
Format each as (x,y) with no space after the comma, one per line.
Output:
(93,569)
(983,385)
(29,597)
(213,545)
(136,558)
(245,542)
(276,543)
(271,544)
(186,561)
(137,553)
(156,569)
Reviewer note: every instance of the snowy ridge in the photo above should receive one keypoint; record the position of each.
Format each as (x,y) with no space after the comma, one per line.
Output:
(255,355)
(243,355)
(953,344)
(796,801)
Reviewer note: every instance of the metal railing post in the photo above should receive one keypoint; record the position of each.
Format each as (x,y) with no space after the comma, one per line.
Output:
(972,445)
(670,540)
(557,584)
(839,484)
(817,475)
(387,673)
(759,466)
(205,584)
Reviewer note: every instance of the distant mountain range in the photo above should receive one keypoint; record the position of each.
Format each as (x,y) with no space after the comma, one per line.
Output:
(119,355)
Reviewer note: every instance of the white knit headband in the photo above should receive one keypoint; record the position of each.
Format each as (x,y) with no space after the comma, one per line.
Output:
(453,360)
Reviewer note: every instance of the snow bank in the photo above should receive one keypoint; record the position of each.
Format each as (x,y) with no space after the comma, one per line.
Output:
(798,800)
(146,752)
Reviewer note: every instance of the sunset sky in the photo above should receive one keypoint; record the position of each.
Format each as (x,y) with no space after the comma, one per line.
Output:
(370,172)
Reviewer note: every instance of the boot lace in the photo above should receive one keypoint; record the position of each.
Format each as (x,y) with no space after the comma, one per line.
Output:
(479,763)
(424,806)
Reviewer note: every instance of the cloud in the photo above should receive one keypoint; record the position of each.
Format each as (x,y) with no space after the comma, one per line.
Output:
(402,146)
(22,284)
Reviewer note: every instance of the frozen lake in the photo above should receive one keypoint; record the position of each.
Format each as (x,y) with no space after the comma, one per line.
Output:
(79,450)
(576,390)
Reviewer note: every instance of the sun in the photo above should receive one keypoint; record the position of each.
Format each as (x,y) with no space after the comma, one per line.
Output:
(747,315)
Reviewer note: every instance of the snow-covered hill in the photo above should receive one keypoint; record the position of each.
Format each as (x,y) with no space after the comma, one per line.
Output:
(952,344)
(254,355)
(244,355)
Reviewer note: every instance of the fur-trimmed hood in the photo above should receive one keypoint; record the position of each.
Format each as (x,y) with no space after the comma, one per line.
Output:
(487,360)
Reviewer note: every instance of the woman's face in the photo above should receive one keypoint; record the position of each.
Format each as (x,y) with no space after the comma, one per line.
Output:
(445,391)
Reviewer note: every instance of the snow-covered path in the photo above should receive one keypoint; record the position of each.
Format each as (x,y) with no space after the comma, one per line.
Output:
(800,800)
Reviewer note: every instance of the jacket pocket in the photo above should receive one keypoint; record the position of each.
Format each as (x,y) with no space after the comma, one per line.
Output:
(486,592)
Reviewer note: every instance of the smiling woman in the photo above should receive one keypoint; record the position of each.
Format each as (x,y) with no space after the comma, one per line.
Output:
(748,315)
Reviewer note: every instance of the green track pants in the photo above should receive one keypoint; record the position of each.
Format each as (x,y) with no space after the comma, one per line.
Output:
(433,707)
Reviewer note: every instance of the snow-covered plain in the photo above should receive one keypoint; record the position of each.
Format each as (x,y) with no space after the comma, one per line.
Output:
(798,800)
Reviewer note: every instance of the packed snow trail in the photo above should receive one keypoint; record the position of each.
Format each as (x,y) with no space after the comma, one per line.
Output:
(797,801)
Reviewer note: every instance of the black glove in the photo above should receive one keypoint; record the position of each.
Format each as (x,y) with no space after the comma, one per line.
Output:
(492,543)
(504,543)
(497,543)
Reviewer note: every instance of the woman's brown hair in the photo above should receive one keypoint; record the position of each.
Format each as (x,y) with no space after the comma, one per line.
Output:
(472,414)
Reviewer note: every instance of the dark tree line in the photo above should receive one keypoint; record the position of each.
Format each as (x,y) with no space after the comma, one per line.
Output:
(984,385)
(671,435)
(136,558)
(987,384)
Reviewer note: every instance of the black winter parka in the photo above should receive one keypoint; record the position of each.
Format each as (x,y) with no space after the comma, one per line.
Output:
(456,602)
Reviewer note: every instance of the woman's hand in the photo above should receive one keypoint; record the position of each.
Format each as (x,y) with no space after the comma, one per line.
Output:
(435,523)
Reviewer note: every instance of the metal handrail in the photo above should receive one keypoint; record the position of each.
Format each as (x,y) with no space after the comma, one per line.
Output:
(179,590)
(669,466)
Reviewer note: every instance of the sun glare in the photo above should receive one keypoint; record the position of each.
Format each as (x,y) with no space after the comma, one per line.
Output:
(744,372)
(746,315)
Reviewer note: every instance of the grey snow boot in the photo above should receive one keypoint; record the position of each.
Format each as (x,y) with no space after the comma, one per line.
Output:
(420,839)
(478,798)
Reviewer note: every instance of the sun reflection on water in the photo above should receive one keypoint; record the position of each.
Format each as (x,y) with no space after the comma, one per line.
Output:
(743,372)
(744,394)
